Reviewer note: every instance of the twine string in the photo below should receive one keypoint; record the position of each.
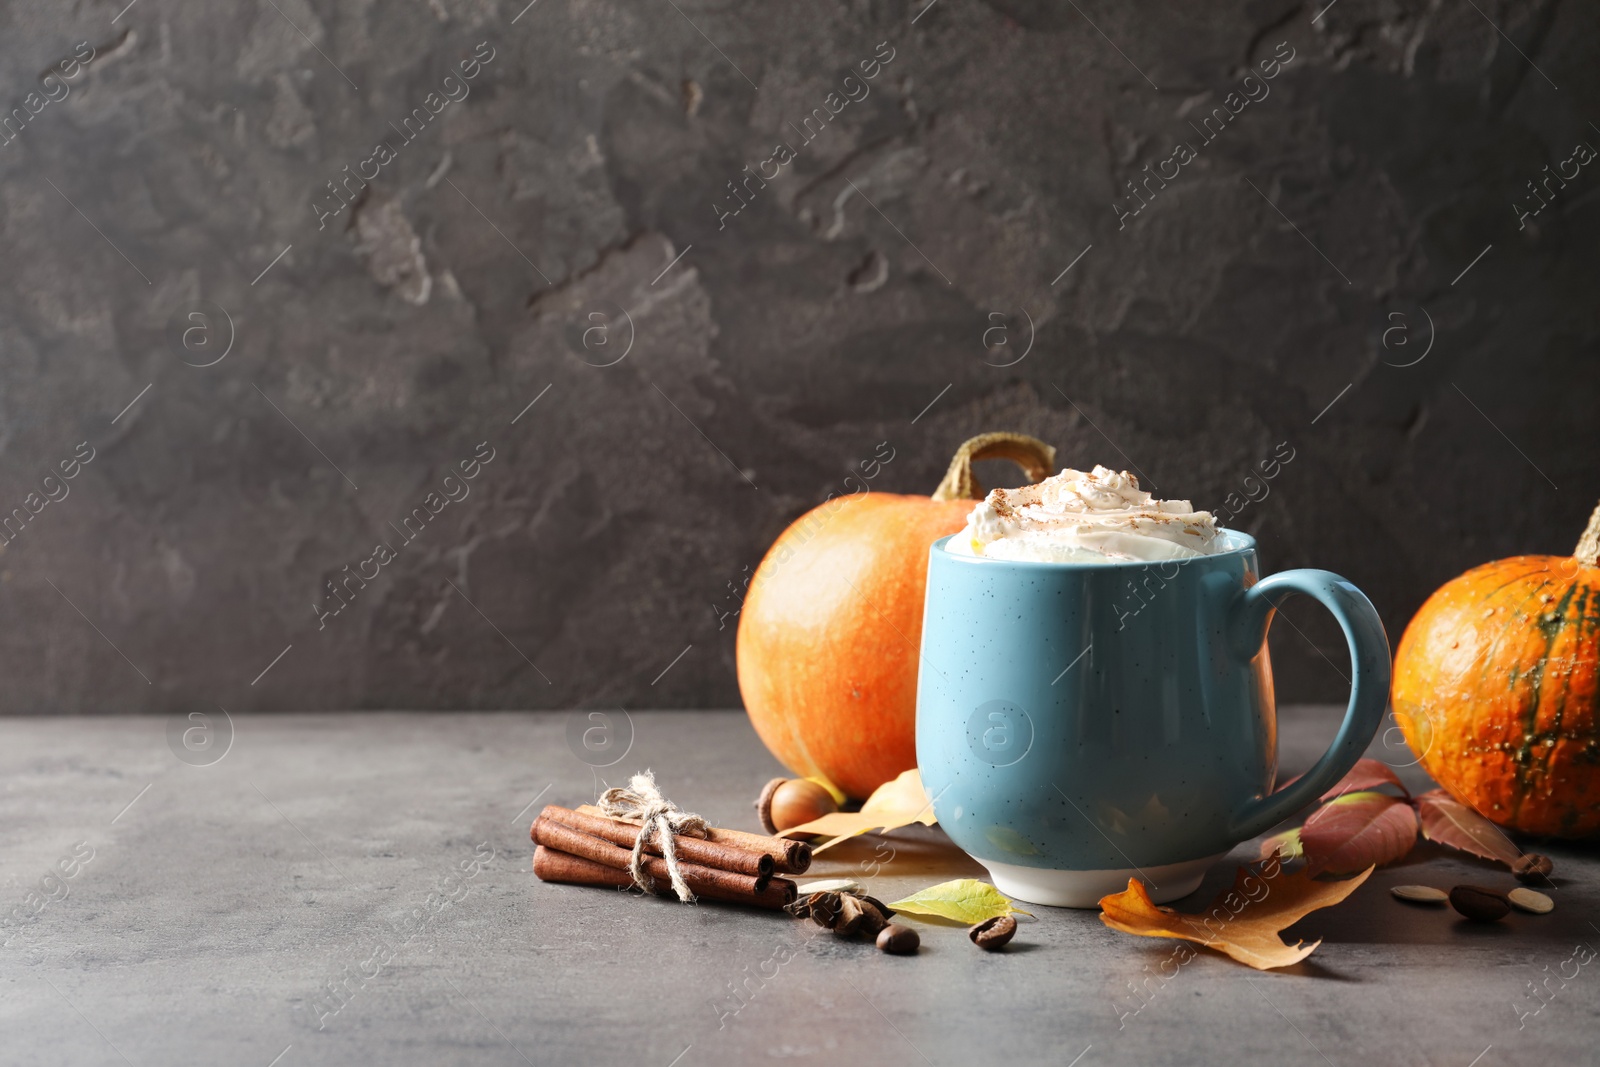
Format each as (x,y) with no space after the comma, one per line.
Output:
(660,820)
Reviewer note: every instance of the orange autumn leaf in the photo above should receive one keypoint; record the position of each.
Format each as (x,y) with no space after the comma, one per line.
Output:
(893,804)
(1243,922)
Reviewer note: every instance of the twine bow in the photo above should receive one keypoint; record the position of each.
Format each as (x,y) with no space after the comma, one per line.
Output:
(661,819)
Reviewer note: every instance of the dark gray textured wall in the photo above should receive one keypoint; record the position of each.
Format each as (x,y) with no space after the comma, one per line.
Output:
(861,296)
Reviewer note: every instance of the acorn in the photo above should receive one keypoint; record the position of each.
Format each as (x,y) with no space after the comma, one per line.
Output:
(786,802)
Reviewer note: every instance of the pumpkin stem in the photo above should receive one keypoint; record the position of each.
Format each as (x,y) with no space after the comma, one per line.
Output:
(1035,457)
(1588,551)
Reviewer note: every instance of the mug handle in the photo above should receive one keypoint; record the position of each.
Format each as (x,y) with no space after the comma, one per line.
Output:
(1249,617)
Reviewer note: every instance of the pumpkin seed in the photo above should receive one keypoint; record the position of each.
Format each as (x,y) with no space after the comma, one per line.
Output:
(1530,900)
(1420,894)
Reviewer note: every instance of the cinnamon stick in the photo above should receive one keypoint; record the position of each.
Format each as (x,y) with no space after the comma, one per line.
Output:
(761,891)
(791,857)
(553,865)
(707,853)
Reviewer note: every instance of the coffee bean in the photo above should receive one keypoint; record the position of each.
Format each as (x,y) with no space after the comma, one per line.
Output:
(1479,904)
(1532,867)
(1420,894)
(898,940)
(992,934)
(1531,901)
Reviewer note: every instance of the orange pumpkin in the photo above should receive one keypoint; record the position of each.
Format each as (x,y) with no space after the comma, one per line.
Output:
(831,625)
(1495,689)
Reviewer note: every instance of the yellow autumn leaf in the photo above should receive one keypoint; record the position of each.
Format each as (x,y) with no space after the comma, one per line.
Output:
(1288,843)
(1243,922)
(833,791)
(893,804)
(964,900)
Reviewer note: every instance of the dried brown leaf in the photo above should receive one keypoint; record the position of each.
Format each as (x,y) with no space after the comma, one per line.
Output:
(1449,822)
(1356,831)
(1366,774)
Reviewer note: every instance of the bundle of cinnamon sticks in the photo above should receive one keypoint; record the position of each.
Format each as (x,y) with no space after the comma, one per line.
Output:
(585,847)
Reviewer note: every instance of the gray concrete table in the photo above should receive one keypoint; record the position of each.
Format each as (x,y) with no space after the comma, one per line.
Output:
(162,913)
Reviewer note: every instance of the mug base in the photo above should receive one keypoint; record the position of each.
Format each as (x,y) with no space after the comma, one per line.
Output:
(1083,889)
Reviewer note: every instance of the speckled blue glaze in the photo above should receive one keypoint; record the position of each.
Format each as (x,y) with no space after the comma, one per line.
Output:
(1082,717)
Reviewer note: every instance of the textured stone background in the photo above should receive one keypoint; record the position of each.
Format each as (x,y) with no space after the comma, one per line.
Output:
(859,288)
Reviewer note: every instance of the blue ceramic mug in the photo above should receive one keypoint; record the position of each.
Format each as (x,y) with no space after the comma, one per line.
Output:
(1079,724)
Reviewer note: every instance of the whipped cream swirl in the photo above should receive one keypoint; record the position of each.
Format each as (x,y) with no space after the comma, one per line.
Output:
(1077,517)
